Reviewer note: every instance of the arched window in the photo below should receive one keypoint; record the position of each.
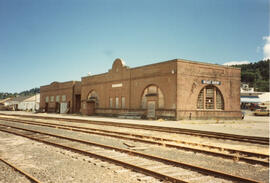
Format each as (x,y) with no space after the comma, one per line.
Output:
(219,100)
(93,97)
(210,98)
(152,91)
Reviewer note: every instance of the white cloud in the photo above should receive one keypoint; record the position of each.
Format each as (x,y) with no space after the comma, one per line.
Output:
(236,63)
(266,48)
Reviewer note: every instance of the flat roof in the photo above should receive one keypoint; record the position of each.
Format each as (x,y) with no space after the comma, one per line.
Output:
(173,60)
(204,63)
(60,82)
(250,99)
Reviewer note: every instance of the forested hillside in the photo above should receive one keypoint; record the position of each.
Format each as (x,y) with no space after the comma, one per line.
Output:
(31,92)
(256,75)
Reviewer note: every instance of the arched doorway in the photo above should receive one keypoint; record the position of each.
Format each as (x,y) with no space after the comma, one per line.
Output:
(210,98)
(152,99)
(92,102)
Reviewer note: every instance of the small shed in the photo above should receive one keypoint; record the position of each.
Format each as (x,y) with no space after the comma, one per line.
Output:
(30,103)
(14,102)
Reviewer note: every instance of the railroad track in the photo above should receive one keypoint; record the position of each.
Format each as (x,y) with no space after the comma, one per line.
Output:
(158,167)
(217,135)
(28,176)
(233,154)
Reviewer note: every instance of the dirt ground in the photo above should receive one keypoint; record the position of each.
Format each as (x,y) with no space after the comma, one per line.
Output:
(51,164)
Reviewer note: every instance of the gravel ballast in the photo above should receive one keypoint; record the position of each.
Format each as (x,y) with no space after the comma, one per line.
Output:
(53,165)
(8,174)
(181,137)
(229,166)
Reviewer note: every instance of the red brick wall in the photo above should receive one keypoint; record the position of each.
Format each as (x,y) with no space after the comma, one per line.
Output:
(133,81)
(189,84)
(179,80)
(59,89)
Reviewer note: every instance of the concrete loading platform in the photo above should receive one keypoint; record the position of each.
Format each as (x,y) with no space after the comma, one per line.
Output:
(250,126)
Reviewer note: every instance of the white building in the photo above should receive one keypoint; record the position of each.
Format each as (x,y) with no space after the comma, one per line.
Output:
(249,97)
(265,97)
(246,89)
(14,102)
(30,103)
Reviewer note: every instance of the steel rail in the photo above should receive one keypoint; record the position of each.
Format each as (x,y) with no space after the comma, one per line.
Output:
(247,153)
(241,138)
(130,152)
(118,162)
(28,176)
(240,155)
(147,127)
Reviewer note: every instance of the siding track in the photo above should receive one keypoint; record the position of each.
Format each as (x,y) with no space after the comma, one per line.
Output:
(245,156)
(217,135)
(28,176)
(158,167)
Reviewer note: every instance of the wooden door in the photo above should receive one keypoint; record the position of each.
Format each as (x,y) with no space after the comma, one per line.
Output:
(57,107)
(78,104)
(46,107)
(90,108)
(63,107)
(151,109)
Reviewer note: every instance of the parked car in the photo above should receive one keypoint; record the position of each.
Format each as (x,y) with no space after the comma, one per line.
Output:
(261,112)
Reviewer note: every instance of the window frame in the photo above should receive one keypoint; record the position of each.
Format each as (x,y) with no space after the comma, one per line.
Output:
(47,99)
(202,103)
(64,98)
(123,102)
(110,102)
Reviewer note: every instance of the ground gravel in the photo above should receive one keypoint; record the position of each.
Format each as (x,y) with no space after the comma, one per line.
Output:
(256,172)
(54,165)
(8,174)
(248,127)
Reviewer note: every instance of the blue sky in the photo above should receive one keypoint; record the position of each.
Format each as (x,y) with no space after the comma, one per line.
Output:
(62,40)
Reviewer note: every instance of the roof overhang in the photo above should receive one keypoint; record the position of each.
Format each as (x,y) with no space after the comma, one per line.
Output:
(250,100)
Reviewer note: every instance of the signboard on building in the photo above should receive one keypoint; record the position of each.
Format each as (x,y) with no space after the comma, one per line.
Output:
(211,82)
(117,85)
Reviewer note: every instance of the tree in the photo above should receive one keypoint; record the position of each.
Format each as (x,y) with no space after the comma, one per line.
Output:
(256,74)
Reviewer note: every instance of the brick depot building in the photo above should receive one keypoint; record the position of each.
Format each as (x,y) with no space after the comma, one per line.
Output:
(175,89)
(61,97)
